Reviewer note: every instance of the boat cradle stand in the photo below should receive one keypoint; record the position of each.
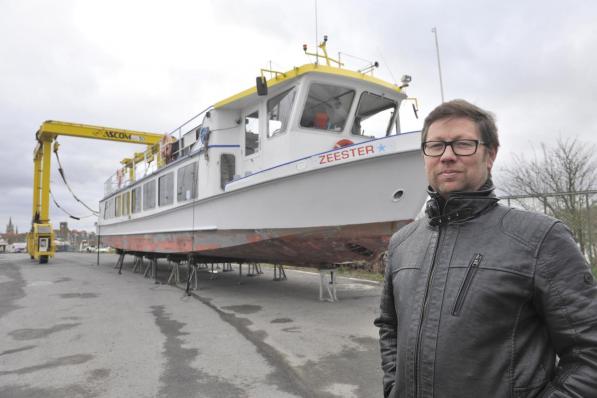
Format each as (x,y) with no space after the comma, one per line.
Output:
(191,275)
(254,269)
(119,262)
(151,270)
(330,287)
(279,273)
(137,263)
(174,263)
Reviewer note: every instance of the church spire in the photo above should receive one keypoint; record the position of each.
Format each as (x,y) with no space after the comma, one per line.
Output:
(10,227)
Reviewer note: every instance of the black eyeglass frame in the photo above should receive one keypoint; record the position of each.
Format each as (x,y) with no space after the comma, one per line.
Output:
(451,145)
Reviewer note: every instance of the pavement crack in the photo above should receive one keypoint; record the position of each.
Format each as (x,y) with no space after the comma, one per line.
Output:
(76,359)
(180,378)
(33,334)
(7,352)
(12,290)
(287,378)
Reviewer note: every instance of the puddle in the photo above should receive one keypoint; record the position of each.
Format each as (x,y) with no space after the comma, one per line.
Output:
(281,320)
(78,295)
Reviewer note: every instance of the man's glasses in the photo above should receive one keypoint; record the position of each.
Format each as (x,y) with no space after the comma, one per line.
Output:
(459,147)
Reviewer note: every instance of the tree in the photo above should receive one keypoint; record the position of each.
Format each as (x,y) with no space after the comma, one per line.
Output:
(560,179)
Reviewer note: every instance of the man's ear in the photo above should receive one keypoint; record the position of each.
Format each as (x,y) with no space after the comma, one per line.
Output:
(491,155)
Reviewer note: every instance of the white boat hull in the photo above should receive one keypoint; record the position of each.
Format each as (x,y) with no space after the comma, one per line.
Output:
(344,212)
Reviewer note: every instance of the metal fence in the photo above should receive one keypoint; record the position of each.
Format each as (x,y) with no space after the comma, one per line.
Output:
(578,210)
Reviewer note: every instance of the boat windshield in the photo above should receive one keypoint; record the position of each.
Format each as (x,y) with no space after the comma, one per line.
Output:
(374,116)
(327,107)
(279,109)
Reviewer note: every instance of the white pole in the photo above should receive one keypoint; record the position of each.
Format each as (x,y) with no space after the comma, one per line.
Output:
(439,66)
(316,37)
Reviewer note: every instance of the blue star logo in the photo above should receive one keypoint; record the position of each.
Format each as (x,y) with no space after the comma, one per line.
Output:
(381,148)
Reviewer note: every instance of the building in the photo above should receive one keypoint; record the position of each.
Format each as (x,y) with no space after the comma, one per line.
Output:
(63,232)
(12,233)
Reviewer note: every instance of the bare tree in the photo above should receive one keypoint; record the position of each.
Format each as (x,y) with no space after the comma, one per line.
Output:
(554,178)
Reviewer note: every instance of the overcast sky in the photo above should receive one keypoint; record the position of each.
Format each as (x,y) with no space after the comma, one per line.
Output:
(150,65)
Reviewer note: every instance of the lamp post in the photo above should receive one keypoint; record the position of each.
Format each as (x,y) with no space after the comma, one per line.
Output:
(439,66)
(97,232)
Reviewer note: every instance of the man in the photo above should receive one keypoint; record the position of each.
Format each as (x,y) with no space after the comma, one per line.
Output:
(481,300)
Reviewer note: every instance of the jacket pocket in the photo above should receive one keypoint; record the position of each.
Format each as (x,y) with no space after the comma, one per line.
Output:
(466,283)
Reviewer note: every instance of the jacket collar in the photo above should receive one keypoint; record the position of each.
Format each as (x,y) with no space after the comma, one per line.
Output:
(460,206)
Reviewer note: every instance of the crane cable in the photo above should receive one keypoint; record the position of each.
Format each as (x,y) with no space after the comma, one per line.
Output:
(61,171)
(65,211)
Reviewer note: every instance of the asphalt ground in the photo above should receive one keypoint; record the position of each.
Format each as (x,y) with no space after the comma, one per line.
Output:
(71,328)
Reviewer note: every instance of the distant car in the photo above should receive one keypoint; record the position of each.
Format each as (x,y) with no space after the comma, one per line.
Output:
(93,249)
(19,247)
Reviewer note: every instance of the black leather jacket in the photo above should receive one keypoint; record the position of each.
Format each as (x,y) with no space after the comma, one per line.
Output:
(479,299)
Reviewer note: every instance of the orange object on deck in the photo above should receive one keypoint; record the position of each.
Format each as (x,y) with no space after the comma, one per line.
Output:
(321,120)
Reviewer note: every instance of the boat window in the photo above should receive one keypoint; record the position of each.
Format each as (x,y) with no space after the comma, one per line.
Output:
(126,203)
(118,206)
(374,116)
(252,133)
(188,140)
(136,199)
(166,189)
(278,112)
(149,195)
(227,168)
(186,182)
(327,107)
(109,208)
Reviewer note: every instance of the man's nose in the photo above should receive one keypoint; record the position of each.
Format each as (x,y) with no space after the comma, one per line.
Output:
(448,154)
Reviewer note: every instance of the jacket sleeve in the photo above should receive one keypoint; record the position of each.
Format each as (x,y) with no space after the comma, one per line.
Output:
(566,297)
(387,324)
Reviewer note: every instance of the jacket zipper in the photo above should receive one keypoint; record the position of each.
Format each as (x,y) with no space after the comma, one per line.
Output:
(468,279)
(423,311)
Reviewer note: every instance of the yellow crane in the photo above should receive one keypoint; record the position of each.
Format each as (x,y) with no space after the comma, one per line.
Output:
(40,240)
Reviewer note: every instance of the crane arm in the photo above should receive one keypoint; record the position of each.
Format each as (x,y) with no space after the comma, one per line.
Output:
(40,243)
(51,129)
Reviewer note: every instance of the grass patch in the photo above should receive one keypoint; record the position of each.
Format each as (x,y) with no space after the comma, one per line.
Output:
(358,273)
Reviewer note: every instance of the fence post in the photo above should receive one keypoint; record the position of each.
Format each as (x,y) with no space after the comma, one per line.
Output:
(590,229)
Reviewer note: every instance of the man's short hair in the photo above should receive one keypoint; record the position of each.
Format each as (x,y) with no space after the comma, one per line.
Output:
(484,120)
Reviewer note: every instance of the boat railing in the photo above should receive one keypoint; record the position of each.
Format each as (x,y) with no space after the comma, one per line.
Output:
(178,131)
(123,176)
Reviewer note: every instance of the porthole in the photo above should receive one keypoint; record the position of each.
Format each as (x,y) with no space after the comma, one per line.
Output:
(397,195)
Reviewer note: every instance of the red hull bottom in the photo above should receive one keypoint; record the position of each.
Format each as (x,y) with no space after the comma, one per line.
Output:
(301,246)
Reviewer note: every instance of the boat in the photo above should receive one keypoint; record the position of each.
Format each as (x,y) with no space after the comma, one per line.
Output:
(307,168)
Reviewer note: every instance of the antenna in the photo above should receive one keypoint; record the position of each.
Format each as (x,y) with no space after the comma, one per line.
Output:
(387,65)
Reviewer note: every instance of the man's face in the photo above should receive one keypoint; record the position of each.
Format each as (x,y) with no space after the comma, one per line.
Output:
(449,172)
